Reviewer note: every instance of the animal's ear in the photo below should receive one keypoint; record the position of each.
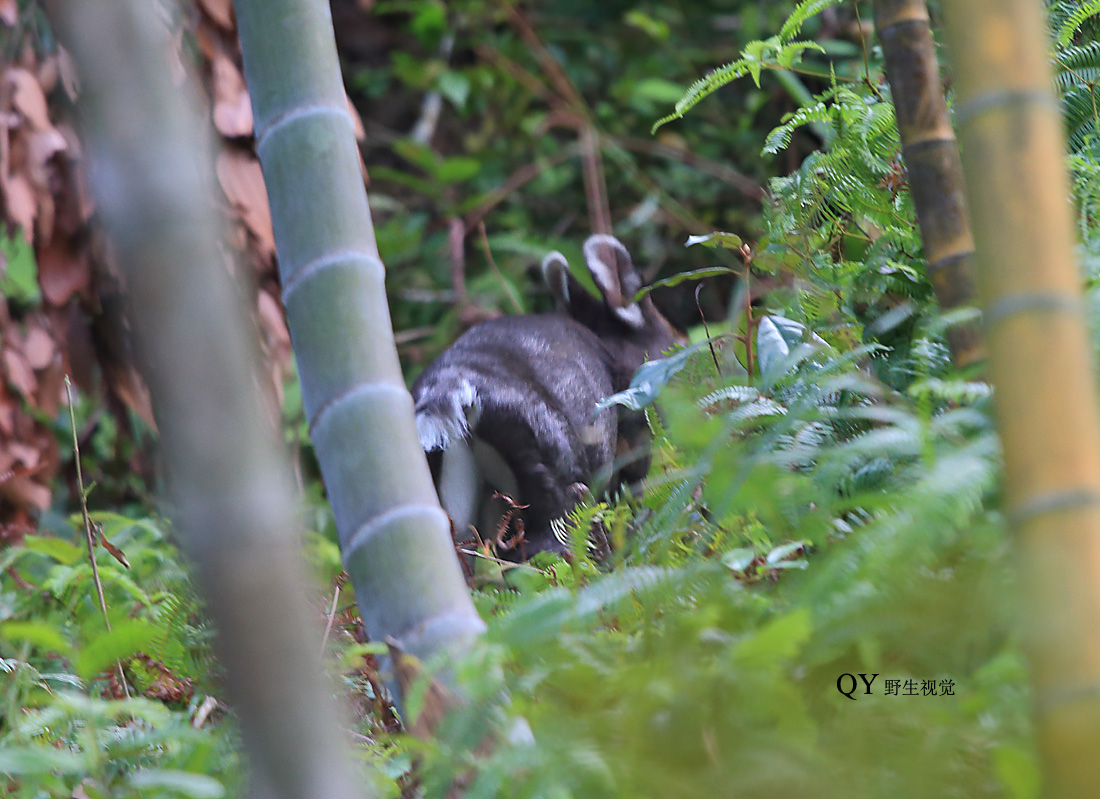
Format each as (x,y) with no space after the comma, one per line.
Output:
(555,274)
(614,274)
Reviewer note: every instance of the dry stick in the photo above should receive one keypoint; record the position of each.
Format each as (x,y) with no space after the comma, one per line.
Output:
(489,256)
(595,187)
(518,73)
(706,330)
(330,619)
(565,88)
(89,537)
(456,233)
(524,174)
(723,172)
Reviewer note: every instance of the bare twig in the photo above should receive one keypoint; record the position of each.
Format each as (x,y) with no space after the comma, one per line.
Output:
(489,256)
(525,173)
(330,618)
(706,330)
(727,174)
(89,536)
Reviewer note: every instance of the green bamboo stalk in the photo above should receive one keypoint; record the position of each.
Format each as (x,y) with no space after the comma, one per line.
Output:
(395,538)
(932,159)
(229,479)
(1010,130)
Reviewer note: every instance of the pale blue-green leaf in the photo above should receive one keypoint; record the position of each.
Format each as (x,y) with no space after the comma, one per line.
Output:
(776,338)
(784,551)
(651,377)
(730,241)
(739,559)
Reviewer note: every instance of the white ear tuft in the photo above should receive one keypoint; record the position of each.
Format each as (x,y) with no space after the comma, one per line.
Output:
(597,248)
(631,314)
(555,274)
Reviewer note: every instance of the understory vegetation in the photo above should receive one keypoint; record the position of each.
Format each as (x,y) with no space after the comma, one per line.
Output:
(815,593)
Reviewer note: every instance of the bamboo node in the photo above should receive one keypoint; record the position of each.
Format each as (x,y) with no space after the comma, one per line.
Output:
(1039,302)
(1052,502)
(984,102)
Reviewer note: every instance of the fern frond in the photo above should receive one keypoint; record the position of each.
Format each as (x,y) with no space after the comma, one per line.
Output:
(806,9)
(1075,19)
(755,57)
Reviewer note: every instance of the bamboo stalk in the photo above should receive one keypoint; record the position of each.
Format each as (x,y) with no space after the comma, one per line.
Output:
(1011,134)
(230,484)
(932,159)
(394,537)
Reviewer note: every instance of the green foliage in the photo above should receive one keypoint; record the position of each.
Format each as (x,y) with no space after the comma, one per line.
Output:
(835,511)
(824,493)
(63,728)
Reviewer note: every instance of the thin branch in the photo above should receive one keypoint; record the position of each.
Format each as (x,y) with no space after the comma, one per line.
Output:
(89,536)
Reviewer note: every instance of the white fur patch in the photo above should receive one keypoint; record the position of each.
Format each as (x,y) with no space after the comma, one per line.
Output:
(436,430)
(606,277)
(631,314)
(459,485)
(555,274)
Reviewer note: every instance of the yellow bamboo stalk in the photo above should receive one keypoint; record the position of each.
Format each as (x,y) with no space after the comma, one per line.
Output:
(932,159)
(1011,135)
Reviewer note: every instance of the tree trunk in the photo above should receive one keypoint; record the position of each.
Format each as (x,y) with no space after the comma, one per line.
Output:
(395,538)
(932,159)
(1040,362)
(228,476)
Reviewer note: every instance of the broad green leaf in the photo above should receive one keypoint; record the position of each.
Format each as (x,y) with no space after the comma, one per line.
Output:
(121,642)
(455,87)
(19,279)
(56,548)
(777,640)
(681,277)
(457,169)
(185,783)
(27,760)
(41,635)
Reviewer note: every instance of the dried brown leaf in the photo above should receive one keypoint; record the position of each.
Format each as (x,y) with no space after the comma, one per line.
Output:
(221,11)
(62,272)
(19,373)
(133,391)
(242,180)
(232,106)
(21,203)
(25,455)
(9,12)
(51,386)
(274,325)
(23,492)
(357,121)
(69,77)
(49,73)
(115,552)
(39,348)
(27,97)
(8,405)
(208,39)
